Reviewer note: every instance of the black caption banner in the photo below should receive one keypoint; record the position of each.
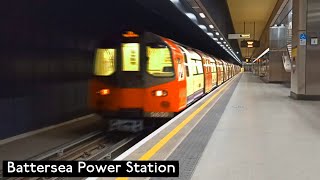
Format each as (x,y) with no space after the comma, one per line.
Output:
(90,168)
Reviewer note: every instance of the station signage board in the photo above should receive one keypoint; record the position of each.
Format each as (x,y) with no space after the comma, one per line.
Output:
(239,36)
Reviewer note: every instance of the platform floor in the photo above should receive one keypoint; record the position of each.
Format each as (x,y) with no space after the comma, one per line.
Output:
(33,145)
(263,134)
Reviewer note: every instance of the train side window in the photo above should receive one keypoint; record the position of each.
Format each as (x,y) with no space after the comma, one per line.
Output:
(104,62)
(199,67)
(213,68)
(194,67)
(187,69)
(159,61)
(185,62)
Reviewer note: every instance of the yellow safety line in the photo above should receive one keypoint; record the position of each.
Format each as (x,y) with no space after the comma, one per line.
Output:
(169,136)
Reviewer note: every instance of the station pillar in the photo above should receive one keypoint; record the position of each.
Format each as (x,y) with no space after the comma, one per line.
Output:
(305,73)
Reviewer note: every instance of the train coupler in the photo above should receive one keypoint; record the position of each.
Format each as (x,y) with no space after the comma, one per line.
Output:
(131,125)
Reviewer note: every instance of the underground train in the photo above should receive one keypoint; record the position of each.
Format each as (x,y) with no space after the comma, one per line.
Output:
(143,75)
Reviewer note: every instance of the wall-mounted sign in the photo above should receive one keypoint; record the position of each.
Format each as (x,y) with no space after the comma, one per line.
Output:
(239,36)
(314,41)
(303,39)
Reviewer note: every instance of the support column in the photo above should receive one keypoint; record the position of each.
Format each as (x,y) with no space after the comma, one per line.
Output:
(305,81)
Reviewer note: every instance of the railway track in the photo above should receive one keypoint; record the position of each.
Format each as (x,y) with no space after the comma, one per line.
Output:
(96,146)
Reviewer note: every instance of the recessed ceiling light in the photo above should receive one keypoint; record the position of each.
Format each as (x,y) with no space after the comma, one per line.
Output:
(237,52)
(224,42)
(175,1)
(221,39)
(217,33)
(202,15)
(210,34)
(211,26)
(219,42)
(216,39)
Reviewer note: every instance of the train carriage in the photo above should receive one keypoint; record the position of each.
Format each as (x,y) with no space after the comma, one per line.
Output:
(220,71)
(146,75)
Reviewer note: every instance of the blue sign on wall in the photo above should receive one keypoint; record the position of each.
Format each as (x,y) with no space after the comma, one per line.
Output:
(303,39)
(303,36)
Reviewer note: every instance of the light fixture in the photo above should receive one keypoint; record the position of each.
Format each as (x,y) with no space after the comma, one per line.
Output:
(224,42)
(217,33)
(104,92)
(262,54)
(250,46)
(160,93)
(203,27)
(219,42)
(250,42)
(216,39)
(175,1)
(211,26)
(237,52)
(221,39)
(210,34)
(202,15)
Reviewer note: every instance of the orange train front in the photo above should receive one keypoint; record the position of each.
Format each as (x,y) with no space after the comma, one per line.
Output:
(146,75)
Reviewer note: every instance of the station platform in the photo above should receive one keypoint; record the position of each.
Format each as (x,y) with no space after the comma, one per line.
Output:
(244,130)
(25,146)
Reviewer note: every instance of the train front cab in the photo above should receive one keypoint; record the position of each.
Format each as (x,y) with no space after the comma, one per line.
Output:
(138,77)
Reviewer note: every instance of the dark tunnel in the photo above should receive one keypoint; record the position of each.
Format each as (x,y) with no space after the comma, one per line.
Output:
(47,53)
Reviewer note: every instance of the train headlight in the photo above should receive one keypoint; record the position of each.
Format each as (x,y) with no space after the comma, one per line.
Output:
(104,92)
(160,93)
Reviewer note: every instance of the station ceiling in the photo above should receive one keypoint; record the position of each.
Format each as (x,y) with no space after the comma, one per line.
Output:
(246,13)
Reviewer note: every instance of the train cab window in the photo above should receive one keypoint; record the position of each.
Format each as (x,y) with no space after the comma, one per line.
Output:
(130,57)
(159,62)
(104,62)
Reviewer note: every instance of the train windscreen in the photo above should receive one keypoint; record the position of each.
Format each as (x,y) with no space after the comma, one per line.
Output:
(159,62)
(130,57)
(105,62)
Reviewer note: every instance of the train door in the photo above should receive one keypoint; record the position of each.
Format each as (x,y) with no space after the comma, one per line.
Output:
(225,71)
(213,72)
(198,75)
(220,72)
(209,75)
(206,72)
(189,75)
